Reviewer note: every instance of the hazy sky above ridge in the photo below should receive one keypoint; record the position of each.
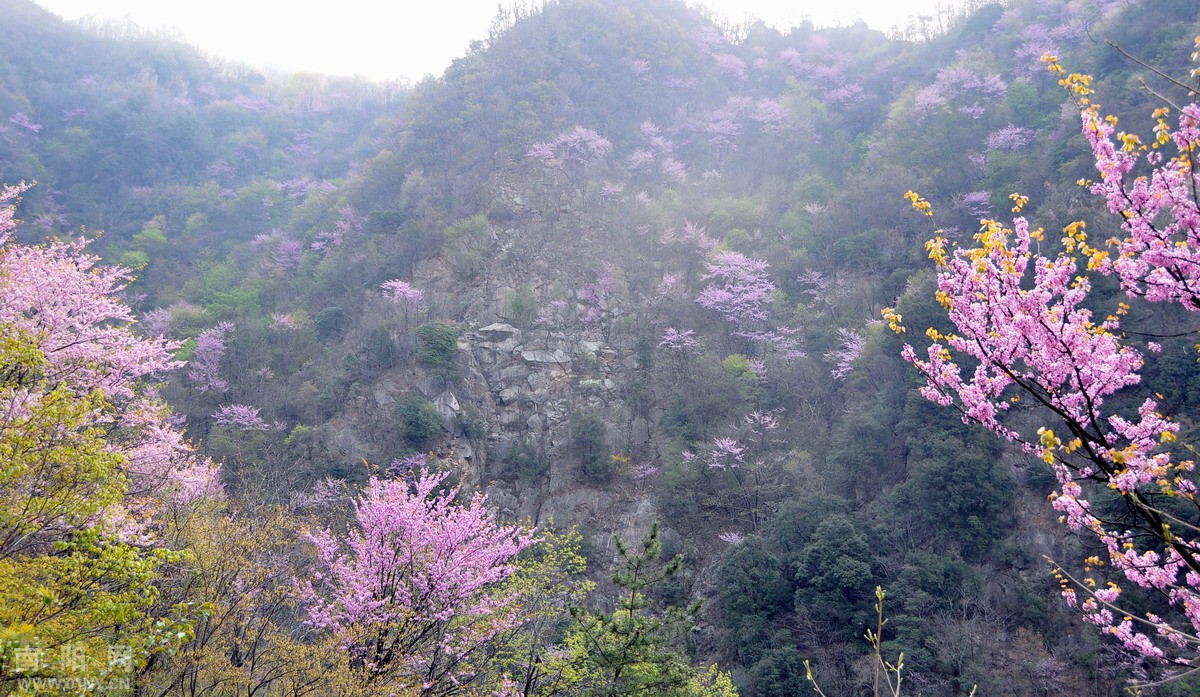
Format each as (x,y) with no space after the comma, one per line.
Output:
(401,40)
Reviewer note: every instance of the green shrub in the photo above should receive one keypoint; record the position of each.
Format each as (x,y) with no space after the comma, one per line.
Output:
(330,322)
(589,442)
(526,460)
(418,421)
(521,306)
(473,425)
(437,344)
(467,245)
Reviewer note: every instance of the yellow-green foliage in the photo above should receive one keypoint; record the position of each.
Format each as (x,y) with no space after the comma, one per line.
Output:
(67,583)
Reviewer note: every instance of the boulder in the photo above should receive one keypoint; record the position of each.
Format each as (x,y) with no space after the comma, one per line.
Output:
(519,371)
(448,407)
(498,332)
(556,358)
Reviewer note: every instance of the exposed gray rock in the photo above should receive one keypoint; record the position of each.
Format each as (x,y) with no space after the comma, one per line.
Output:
(639,432)
(576,506)
(538,382)
(350,441)
(447,405)
(518,371)
(508,395)
(506,502)
(498,332)
(499,347)
(542,357)
(382,396)
(430,386)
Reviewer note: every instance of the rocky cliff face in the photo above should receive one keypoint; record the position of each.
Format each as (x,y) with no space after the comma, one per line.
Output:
(513,391)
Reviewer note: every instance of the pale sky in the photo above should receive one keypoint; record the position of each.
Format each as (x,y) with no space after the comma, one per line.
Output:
(400,39)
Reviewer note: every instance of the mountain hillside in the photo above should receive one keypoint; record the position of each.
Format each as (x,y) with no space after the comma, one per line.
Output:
(617,266)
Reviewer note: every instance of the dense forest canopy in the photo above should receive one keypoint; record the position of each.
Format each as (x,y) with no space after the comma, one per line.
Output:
(565,372)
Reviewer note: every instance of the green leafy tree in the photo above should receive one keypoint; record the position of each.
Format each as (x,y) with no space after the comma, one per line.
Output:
(836,575)
(589,442)
(635,649)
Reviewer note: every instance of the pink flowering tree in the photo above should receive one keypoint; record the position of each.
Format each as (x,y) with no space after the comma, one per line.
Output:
(595,306)
(90,466)
(571,152)
(349,224)
(402,293)
(850,346)
(959,88)
(741,475)
(58,295)
(205,368)
(739,289)
(405,295)
(416,589)
(242,417)
(1025,332)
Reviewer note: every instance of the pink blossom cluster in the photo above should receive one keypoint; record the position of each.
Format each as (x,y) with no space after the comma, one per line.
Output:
(977,203)
(730,65)
(1010,138)
(851,345)
(349,223)
(240,416)
(205,368)
(726,453)
(740,289)
(59,294)
(581,145)
(960,85)
(416,586)
(288,254)
(1159,256)
(594,300)
(693,235)
(770,114)
(22,120)
(402,293)
(1023,320)
(675,340)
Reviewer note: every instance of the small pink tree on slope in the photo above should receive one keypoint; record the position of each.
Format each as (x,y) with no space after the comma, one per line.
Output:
(1022,320)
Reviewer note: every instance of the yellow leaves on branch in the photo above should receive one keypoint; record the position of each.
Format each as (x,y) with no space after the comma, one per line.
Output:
(937,250)
(1049,442)
(1162,128)
(1130,142)
(919,204)
(893,319)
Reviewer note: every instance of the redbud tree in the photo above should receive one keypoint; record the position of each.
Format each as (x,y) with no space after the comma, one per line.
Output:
(416,589)
(89,464)
(1026,331)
